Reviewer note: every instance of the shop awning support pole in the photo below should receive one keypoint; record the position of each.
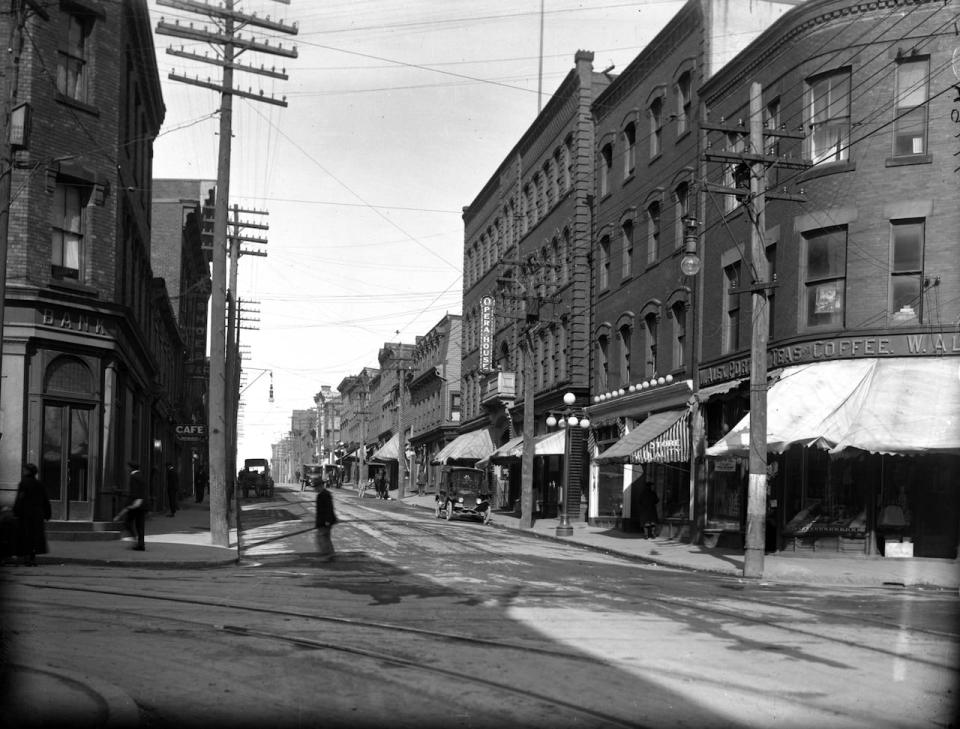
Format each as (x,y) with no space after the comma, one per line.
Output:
(760,315)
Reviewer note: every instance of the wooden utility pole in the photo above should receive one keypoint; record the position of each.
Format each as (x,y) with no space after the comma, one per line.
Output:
(526,459)
(225,39)
(754,201)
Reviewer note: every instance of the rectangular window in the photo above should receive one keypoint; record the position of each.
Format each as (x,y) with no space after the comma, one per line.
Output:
(656,127)
(72,59)
(910,122)
(604,264)
(66,230)
(829,116)
(653,233)
(606,163)
(731,296)
(626,234)
(906,271)
(455,406)
(825,277)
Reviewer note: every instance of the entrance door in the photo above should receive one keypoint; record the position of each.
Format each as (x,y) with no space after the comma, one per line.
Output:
(65,465)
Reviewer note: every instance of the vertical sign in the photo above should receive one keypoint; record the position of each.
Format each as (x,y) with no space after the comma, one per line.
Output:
(486,333)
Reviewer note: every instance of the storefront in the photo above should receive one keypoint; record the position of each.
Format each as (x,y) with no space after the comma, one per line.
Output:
(863,457)
(547,473)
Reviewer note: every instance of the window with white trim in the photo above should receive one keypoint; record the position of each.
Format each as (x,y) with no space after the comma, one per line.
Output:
(910,114)
(828,116)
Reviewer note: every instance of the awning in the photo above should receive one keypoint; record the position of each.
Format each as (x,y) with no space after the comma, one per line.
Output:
(351,456)
(661,438)
(897,405)
(470,446)
(548,444)
(389,451)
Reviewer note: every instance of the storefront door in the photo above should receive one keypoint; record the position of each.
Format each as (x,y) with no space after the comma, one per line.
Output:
(65,464)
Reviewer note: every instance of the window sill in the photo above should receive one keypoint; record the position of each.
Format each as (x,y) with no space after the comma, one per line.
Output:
(828,168)
(909,159)
(77,104)
(74,287)
(628,178)
(682,135)
(655,157)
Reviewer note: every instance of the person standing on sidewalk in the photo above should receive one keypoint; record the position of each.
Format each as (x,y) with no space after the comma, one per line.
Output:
(200,484)
(136,516)
(173,489)
(326,518)
(32,509)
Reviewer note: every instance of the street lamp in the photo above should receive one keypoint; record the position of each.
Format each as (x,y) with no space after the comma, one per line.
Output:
(690,263)
(567,420)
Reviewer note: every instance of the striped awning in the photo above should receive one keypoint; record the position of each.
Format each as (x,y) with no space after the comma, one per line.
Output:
(470,446)
(661,438)
(548,444)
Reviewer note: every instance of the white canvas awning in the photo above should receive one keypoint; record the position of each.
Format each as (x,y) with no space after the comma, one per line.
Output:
(470,446)
(549,444)
(896,405)
(389,451)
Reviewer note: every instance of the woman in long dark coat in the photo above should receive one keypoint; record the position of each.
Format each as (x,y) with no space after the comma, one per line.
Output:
(325,519)
(32,509)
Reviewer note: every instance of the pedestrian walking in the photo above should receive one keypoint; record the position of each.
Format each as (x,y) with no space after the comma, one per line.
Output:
(32,509)
(381,485)
(135,517)
(647,511)
(200,485)
(173,489)
(325,519)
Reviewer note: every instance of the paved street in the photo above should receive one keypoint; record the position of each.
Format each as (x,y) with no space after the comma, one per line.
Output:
(423,622)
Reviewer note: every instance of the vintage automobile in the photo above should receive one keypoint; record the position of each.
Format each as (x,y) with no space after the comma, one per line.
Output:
(256,476)
(311,474)
(463,492)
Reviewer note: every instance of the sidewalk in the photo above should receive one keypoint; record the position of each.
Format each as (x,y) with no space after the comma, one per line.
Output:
(184,541)
(814,568)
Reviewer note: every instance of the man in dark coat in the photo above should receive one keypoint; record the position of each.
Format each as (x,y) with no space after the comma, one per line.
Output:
(173,489)
(136,517)
(647,511)
(326,518)
(31,508)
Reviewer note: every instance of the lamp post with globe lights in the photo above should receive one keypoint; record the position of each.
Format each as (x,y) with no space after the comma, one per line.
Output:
(567,420)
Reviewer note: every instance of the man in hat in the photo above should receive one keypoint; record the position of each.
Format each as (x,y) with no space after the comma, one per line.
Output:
(136,516)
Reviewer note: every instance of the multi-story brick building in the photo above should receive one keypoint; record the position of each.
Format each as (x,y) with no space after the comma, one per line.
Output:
(179,258)
(647,176)
(434,388)
(354,411)
(862,411)
(91,350)
(526,300)
(388,419)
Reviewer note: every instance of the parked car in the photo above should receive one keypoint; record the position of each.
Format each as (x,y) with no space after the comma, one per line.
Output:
(463,492)
(311,474)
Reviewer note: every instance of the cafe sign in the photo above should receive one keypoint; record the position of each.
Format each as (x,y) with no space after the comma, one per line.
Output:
(191,433)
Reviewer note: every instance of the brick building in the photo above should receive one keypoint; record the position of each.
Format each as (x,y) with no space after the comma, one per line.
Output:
(92,355)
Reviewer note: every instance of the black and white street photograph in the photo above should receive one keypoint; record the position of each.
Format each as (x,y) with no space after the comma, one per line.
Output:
(544,363)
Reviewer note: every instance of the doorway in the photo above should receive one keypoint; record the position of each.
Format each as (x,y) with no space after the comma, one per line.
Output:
(65,462)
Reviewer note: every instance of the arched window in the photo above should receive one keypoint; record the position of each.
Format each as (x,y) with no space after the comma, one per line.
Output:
(626,245)
(626,341)
(603,363)
(66,374)
(653,232)
(679,315)
(606,165)
(650,345)
(629,149)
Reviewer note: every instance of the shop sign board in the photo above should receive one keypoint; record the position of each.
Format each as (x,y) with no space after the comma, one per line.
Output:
(486,333)
(191,432)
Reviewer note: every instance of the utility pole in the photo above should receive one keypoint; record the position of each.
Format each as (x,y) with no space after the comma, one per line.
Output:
(225,39)
(754,201)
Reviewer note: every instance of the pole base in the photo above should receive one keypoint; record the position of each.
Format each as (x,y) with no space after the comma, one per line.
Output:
(564,529)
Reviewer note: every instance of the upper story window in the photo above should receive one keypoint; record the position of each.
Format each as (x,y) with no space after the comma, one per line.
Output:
(681,198)
(735,174)
(604,270)
(72,68)
(603,363)
(606,164)
(771,144)
(629,149)
(66,228)
(825,265)
(558,173)
(906,271)
(626,239)
(683,103)
(910,115)
(679,315)
(653,232)
(731,298)
(828,116)
(550,183)
(656,126)
(626,342)
(529,210)
(650,345)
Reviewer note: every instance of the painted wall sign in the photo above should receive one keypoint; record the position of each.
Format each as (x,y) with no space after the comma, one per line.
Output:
(891,345)
(75,321)
(486,333)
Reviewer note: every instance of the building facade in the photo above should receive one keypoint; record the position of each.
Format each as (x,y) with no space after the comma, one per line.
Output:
(526,301)
(92,355)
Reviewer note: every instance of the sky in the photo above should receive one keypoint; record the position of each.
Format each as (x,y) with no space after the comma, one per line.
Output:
(398,113)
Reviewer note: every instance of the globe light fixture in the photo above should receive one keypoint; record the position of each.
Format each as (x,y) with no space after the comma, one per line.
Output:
(568,420)
(690,262)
